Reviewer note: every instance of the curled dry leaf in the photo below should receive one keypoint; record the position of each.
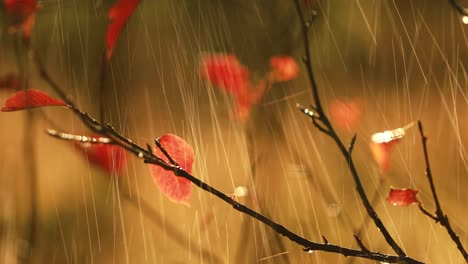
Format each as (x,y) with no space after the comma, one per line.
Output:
(382,144)
(285,68)
(347,114)
(177,189)
(111,158)
(402,197)
(23,13)
(118,15)
(30,98)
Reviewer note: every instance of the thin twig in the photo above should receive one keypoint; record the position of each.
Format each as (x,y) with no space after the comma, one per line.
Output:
(460,9)
(440,216)
(330,131)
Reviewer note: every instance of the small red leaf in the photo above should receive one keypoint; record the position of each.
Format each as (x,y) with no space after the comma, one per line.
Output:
(402,197)
(347,114)
(382,145)
(29,99)
(111,158)
(225,72)
(177,189)
(118,15)
(284,68)
(23,12)
(228,74)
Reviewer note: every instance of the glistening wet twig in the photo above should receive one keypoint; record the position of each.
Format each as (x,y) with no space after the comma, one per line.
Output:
(460,9)
(439,216)
(321,121)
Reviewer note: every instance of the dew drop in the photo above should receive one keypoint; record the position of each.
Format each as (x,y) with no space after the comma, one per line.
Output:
(465,20)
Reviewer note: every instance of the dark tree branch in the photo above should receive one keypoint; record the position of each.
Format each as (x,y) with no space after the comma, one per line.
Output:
(351,145)
(440,216)
(424,211)
(460,9)
(330,131)
(108,131)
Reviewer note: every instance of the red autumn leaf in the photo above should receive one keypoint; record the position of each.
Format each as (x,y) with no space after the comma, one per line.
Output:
(228,74)
(108,157)
(382,144)
(29,99)
(23,13)
(177,189)
(284,68)
(225,72)
(118,15)
(347,114)
(402,197)
(10,81)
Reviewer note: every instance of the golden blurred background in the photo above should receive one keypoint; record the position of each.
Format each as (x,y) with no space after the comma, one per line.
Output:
(405,59)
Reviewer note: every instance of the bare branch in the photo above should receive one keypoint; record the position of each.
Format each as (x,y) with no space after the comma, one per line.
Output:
(440,216)
(332,133)
(351,145)
(460,9)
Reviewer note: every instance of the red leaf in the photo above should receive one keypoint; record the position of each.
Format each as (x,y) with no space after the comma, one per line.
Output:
(225,72)
(23,12)
(111,158)
(284,68)
(402,197)
(177,189)
(347,114)
(382,145)
(228,74)
(29,99)
(118,15)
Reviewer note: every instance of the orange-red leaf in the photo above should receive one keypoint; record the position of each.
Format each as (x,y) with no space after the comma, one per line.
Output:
(177,189)
(29,99)
(111,158)
(347,114)
(382,144)
(402,197)
(228,74)
(118,15)
(225,72)
(23,13)
(284,68)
